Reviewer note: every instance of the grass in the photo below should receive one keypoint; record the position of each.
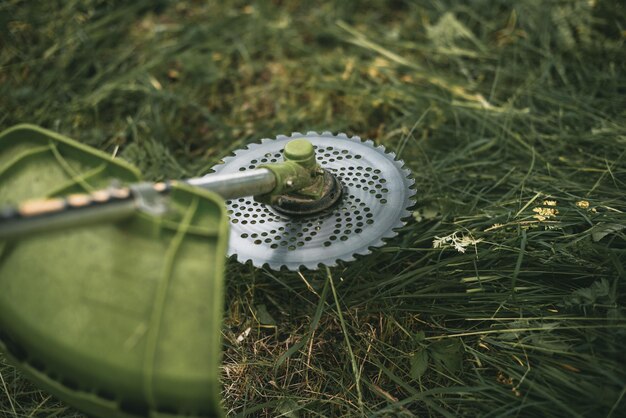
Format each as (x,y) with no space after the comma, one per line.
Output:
(511,116)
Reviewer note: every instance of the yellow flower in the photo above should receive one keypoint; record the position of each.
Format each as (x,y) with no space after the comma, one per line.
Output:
(545,213)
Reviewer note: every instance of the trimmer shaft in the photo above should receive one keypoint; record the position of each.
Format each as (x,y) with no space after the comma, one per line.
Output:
(375,195)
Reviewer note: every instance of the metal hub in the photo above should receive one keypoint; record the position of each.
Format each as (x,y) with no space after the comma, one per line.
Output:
(377,193)
(298,205)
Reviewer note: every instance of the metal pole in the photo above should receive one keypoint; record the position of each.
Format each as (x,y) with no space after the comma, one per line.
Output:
(231,186)
(116,204)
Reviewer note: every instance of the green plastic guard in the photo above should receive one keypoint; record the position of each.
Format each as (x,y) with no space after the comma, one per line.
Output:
(117,319)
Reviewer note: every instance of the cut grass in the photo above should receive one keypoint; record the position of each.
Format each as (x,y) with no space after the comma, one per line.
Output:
(512,119)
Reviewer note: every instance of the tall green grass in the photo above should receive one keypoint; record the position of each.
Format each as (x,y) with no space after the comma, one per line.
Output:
(511,116)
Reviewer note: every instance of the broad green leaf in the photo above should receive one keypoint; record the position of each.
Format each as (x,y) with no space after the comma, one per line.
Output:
(263,316)
(288,408)
(419,363)
(447,354)
(603,229)
(419,336)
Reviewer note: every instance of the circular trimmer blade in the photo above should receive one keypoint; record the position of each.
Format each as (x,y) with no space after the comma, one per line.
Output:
(377,195)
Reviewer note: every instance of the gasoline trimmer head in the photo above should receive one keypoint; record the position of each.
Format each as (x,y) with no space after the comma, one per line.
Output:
(372,193)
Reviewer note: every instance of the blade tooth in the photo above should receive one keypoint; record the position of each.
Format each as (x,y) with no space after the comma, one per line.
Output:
(342,135)
(327,133)
(227,157)
(236,258)
(256,263)
(404,219)
(296,135)
(363,251)
(381,242)
(369,142)
(312,265)
(377,244)
(391,233)
(240,151)
(329,263)
(392,155)
(275,266)
(220,166)
(282,137)
(312,133)
(306,265)
(294,266)
(253,262)
(402,223)
(348,259)
(405,214)
(400,228)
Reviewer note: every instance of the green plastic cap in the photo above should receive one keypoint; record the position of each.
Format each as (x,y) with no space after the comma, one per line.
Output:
(300,151)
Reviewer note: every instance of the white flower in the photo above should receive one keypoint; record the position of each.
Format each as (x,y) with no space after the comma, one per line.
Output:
(456,240)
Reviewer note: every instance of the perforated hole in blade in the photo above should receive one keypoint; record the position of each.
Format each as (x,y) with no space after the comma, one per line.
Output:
(348,219)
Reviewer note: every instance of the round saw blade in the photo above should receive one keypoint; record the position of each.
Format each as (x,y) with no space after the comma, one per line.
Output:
(377,195)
